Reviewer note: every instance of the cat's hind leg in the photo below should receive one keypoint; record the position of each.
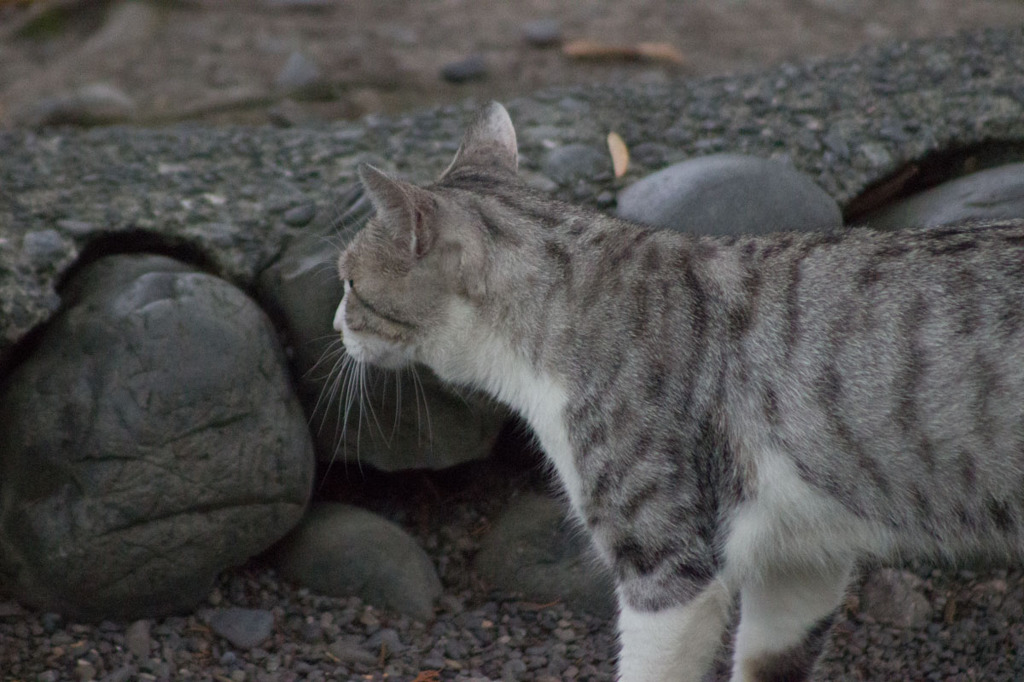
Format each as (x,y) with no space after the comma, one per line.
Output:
(784,622)
(675,644)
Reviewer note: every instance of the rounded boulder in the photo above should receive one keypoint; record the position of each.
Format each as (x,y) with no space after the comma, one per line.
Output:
(341,550)
(150,440)
(729,194)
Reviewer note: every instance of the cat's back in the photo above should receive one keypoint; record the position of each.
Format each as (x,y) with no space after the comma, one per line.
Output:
(890,368)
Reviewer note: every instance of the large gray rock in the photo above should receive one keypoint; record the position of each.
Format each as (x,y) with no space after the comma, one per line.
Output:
(534,550)
(729,194)
(989,194)
(150,440)
(340,550)
(405,422)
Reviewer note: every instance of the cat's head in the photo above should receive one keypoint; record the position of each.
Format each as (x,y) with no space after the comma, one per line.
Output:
(420,261)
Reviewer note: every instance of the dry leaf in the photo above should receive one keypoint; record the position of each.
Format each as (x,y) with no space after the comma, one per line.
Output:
(662,52)
(620,154)
(593,49)
(428,676)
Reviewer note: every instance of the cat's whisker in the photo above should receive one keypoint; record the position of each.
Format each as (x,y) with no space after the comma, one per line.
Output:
(421,392)
(328,389)
(366,394)
(398,404)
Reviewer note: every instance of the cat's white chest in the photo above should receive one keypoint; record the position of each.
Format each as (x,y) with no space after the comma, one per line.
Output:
(541,401)
(490,363)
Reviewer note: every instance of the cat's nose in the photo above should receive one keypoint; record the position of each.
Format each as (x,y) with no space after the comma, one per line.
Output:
(339,316)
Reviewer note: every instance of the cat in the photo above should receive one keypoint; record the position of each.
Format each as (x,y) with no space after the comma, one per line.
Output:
(729,417)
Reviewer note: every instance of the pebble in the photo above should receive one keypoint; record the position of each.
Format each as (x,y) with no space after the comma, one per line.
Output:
(575,162)
(244,628)
(137,639)
(85,671)
(300,215)
(299,73)
(543,32)
(43,247)
(350,652)
(473,67)
(90,105)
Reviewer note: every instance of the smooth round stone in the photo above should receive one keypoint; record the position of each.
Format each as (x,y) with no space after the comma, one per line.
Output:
(150,440)
(300,215)
(89,105)
(244,628)
(575,162)
(471,68)
(728,194)
(298,73)
(542,32)
(534,550)
(994,193)
(340,550)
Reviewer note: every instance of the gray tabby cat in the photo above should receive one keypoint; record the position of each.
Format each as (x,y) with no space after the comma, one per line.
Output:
(728,416)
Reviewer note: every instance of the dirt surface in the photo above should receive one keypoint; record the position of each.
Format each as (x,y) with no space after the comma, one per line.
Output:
(224,61)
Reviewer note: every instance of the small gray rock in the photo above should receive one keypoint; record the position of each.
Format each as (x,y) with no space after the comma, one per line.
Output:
(299,75)
(534,550)
(151,439)
(300,215)
(993,193)
(893,597)
(471,68)
(244,628)
(543,32)
(299,4)
(90,105)
(122,674)
(138,640)
(575,162)
(43,247)
(729,194)
(351,652)
(340,550)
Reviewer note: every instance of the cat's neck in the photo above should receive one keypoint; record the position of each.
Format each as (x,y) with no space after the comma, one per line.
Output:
(490,361)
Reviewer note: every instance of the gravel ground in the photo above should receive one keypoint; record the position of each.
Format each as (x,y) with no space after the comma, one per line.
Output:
(975,632)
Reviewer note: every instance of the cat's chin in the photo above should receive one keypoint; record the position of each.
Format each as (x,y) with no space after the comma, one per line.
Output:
(378,353)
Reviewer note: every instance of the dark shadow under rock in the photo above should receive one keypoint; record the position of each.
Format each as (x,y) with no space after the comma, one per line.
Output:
(993,193)
(534,550)
(151,440)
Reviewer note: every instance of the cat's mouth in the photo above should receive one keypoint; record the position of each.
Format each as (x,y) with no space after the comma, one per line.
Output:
(371,349)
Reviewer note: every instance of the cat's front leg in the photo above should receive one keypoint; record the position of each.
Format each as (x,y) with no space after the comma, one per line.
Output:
(674,644)
(784,622)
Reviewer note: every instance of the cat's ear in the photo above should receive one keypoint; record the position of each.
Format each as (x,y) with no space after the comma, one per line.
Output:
(406,211)
(489,142)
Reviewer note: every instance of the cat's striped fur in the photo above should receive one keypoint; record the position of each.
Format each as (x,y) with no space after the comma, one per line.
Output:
(743,415)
